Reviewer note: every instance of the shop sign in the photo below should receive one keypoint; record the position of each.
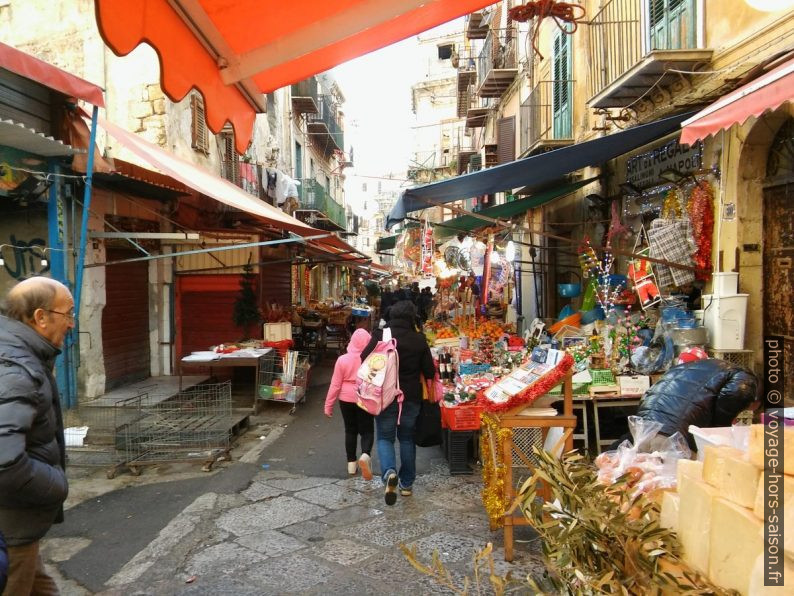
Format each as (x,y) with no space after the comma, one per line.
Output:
(645,170)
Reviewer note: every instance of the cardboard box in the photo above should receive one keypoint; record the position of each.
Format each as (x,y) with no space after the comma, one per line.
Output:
(634,385)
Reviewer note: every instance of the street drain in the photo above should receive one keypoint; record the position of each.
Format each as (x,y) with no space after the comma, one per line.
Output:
(315,539)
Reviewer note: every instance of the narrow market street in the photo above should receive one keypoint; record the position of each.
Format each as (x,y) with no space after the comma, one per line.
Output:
(276,520)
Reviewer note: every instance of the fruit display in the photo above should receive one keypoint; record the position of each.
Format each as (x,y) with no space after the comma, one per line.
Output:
(479,329)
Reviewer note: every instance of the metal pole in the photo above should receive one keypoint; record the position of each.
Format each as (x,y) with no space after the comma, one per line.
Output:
(89,174)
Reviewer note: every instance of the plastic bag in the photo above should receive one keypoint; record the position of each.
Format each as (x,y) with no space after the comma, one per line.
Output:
(649,462)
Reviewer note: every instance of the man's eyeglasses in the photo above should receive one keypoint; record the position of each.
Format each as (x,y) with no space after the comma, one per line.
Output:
(69,315)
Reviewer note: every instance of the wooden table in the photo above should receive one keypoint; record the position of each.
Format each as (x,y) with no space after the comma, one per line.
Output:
(230,361)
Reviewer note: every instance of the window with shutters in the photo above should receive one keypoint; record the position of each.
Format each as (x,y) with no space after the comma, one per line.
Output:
(199,135)
(506,140)
(230,159)
(671,24)
(562,86)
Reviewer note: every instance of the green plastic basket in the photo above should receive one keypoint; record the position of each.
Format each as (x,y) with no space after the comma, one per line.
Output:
(602,376)
(578,389)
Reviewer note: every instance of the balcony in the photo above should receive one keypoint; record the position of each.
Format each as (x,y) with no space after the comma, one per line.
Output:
(467,76)
(305,96)
(476,25)
(318,208)
(497,64)
(632,51)
(546,117)
(323,127)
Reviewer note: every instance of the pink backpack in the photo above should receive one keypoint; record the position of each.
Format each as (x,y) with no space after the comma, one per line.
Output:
(378,377)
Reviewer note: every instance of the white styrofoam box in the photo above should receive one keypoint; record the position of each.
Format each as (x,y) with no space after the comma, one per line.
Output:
(724,317)
(725,284)
(278,331)
(733,436)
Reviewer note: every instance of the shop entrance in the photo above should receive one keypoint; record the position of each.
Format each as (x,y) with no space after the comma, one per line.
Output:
(779,246)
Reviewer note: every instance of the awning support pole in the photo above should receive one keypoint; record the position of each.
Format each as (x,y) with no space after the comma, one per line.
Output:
(89,175)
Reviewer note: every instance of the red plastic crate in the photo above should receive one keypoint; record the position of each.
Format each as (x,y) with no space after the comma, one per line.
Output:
(462,417)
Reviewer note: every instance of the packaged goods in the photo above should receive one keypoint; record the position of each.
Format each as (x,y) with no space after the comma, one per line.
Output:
(736,541)
(727,470)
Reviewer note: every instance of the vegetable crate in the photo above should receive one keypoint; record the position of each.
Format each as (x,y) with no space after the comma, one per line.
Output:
(458,446)
(462,417)
(285,379)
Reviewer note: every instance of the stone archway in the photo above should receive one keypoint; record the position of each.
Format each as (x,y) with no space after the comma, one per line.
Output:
(754,179)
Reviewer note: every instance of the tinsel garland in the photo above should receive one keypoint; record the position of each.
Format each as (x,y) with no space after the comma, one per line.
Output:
(700,207)
(671,208)
(494,472)
(540,387)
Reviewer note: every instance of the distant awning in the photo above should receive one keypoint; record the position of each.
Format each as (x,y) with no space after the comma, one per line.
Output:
(17,135)
(50,76)
(767,92)
(233,52)
(466,223)
(386,243)
(535,170)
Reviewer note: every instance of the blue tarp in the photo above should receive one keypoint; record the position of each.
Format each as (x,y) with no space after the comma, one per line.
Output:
(532,171)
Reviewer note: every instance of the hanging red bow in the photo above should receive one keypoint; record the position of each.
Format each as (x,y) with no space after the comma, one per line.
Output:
(561,12)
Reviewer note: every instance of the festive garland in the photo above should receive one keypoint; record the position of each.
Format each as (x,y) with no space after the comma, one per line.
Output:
(494,472)
(540,387)
(671,208)
(700,207)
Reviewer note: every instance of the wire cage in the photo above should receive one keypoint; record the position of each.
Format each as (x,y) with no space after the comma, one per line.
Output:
(96,443)
(192,425)
(285,379)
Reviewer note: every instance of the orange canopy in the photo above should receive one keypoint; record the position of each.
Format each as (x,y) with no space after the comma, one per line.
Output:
(233,52)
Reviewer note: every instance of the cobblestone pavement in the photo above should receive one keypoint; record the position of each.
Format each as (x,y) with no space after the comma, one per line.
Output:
(289,534)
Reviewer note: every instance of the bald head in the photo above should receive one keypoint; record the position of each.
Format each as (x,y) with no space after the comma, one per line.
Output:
(31,294)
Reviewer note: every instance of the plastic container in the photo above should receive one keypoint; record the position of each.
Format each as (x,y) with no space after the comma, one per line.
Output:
(462,417)
(724,317)
(725,284)
(733,436)
(569,290)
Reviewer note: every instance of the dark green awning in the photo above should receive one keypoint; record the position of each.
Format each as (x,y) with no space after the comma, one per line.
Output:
(386,243)
(466,223)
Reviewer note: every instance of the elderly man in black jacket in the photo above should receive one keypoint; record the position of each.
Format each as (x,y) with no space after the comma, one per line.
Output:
(38,313)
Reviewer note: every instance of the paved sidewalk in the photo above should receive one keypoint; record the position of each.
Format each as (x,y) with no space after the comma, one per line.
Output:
(310,535)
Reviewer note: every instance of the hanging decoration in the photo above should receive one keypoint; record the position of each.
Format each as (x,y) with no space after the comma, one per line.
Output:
(616,228)
(671,208)
(563,13)
(700,207)
(428,249)
(494,472)
(641,273)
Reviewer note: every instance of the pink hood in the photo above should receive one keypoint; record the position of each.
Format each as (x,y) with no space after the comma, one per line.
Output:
(344,382)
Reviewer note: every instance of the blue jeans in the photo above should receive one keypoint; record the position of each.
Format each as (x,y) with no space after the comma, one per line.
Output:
(386,424)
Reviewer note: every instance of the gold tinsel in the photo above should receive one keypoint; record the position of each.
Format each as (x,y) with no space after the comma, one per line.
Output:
(494,472)
(671,208)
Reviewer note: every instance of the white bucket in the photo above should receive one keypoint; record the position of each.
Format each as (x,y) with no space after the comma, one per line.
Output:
(724,317)
(725,284)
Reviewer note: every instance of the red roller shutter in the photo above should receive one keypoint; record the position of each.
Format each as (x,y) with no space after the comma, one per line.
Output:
(277,284)
(125,321)
(204,306)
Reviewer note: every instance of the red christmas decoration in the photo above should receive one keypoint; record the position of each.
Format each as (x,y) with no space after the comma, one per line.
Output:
(700,208)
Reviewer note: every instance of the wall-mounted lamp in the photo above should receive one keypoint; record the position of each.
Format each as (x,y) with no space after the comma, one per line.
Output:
(629,189)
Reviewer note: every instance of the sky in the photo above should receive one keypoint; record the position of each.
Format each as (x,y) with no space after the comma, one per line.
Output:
(378,116)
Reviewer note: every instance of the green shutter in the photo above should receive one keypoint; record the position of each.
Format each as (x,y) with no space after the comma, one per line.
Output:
(672,24)
(561,90)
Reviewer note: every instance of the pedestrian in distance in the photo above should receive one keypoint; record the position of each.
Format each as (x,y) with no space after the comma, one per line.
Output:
(37,314)
(415,358)
(358,422)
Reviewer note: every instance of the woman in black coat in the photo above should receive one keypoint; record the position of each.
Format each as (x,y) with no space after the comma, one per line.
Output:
(415,358)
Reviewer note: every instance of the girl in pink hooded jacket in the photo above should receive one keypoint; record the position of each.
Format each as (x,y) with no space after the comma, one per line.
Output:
(357,421)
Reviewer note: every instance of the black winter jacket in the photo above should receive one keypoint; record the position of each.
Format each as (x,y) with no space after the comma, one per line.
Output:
(414,354)
(705,393)
(33,484)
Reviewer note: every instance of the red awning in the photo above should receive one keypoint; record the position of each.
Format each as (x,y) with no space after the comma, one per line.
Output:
(767,92)
(204,182)
(233,52)
(50,76)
